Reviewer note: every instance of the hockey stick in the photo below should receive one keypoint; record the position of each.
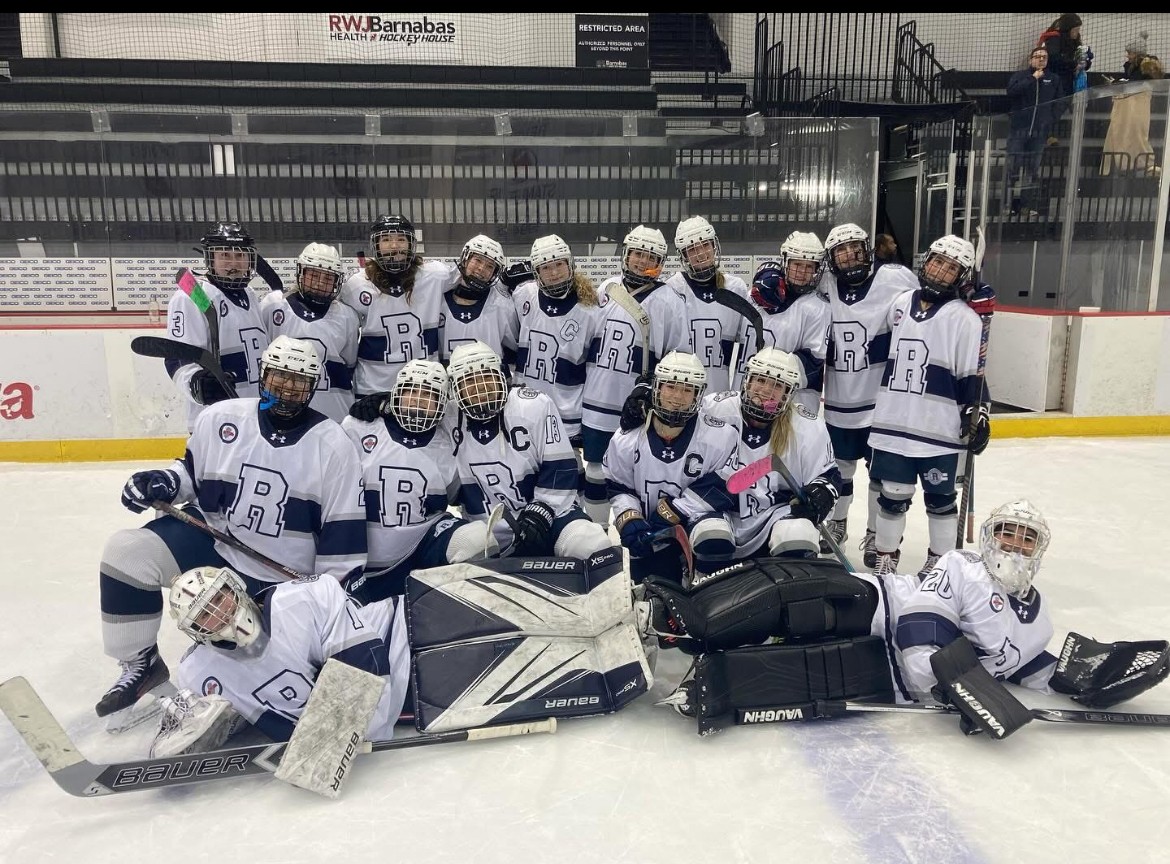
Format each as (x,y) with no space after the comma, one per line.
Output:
(78,776)
(271,277)
(190,286)
(169,349)
(967,502)
(226,539)
(493,519)
(634,309)
(748,310)
(661,539)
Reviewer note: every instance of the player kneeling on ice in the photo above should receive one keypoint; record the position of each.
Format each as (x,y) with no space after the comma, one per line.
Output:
(257,664)
(672,471)
(511,449)
(408,463)
(866,637)
(770,516)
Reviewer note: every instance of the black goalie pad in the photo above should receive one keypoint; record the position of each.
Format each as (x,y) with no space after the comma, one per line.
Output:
(984,703)
(767,683)
(1100,674)
(797,600)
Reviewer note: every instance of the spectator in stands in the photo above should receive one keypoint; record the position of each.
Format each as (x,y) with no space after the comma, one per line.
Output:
(1061,41)
(1035,95)
(885,251)
(1127,141)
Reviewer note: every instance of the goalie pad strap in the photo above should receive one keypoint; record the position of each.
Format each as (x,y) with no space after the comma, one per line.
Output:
(773,676)
(1100,674)
(986,705)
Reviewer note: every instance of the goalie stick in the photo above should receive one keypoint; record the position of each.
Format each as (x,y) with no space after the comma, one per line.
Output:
(183,352)
(78,776)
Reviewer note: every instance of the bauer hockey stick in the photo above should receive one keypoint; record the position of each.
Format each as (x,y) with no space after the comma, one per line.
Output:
(169,349)
(52,746)
(967,500)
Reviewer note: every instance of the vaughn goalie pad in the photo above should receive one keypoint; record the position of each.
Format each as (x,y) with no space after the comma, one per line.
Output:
(512,679)
(518,597)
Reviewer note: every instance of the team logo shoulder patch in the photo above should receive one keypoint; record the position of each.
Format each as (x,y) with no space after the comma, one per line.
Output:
(897,316)
(996,603)
(228,433)
(365,297)
(278,317)
(713,421)
(527,393)
(369,442)
(211,686)
(803,411)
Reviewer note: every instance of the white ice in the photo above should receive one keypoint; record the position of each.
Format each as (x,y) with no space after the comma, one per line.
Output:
(640,785)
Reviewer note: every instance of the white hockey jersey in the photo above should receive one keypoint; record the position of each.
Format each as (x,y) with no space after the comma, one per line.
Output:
(410,479)
(714,328)
(959,598)
(396,330)
(492,320)
(335,337)
(801,329)
(242,339)
(859,344)
(692,468)
(293,495)
(929,377)
(305,623)
(553,346)
(522,455)
(615,357)
(808,455)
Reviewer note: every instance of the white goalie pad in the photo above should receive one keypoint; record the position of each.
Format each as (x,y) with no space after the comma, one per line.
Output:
(510,679)
(518,597)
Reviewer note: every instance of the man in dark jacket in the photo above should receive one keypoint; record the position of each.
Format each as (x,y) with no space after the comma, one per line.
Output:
(1036,103)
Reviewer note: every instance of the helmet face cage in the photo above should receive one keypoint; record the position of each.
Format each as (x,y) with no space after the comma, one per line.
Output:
(769,384)
(229,254)
(679,384)
(289,372)
(1013,541)
(802,258)
(553,280)
(643,256)
(392,242)
(419,396)
(477,381)
(947,267)
(212,605)
(850,243)
(481,254)
(319,273)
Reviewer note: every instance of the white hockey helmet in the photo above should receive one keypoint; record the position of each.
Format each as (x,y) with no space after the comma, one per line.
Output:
(650,242)
(679,384)
(771,378)
(489,250)
(698,248)
(858,258)
(419,395)
(802,246)
(289,372)
(326,283)
(545,251)
(477,380)
(1012,542)
(211,604)
(948,250)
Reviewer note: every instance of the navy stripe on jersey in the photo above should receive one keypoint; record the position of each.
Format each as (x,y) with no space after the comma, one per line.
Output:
(471,497)
(564,371)
(299,515)
(939,381)
(344,537)
(556,474)
(814,369)
(890,641)
(372,656)
(340,375)
(615,412)
(432,504)
(235,363)
(925,628)
(1032,667)
(373,347)
(713,490)
(910,436)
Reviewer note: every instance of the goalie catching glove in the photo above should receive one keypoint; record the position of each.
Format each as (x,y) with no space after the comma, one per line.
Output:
(1100,674)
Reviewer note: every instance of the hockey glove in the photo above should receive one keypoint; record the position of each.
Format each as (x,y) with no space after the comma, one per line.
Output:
(637,404)
(982,299)
(145,487)
(517,274)
(534,529)
(665,515)
(576,441)
(206,390)
(820,497)
(370,408)
(637,536)
(1100,674)
(976,427)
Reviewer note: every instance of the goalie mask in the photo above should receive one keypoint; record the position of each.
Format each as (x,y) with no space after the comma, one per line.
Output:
(480,264)
(419,395)
(319,274)
(289,372)
(947,267)
(643,254)
(803,258)
(211,604)
(772,377)
(552,263)
(1012,542)
(477,380)
(698,248)
(849,253)
(679,384)
(392,241)
(229,253)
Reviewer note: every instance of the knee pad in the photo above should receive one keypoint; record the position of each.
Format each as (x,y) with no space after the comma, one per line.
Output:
(794,538)
(940,505)
(712,539)
(471,541)
(895,497)
(580,538)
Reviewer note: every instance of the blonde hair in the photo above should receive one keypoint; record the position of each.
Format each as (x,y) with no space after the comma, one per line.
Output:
(782,428)
(586,290)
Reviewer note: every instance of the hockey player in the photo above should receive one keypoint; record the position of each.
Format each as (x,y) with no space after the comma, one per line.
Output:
(859,343)
(398,298)
(229,254)
(796,316)
(928,403)
(618,355)
(770,518)
(512,449)
(410,479)
(713,327)
(673,471)
(478,308)
(275,474)
(309,313)
(258,665)
(558,319)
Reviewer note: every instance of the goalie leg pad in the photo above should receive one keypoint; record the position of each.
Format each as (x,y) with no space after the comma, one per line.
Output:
(736,685)
(1100,674)
(985,704)
(508,680)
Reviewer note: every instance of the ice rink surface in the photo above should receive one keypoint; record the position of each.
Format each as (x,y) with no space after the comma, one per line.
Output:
(641,785)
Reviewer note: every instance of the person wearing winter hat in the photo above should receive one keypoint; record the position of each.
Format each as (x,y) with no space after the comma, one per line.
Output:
(1062,40)
(1127,140)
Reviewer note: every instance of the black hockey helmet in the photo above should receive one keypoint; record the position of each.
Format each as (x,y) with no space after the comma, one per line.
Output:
(228,237)
(397,261)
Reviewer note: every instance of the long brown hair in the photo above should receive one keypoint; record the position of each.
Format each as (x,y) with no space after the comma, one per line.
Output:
(382,282)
